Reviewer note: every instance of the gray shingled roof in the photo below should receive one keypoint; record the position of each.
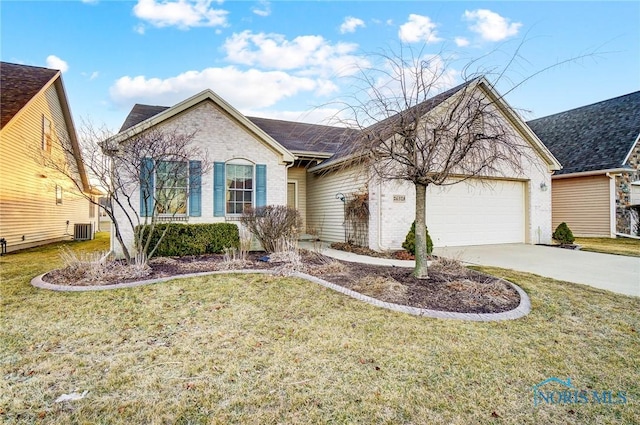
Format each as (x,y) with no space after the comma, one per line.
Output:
(303,137)
(18,85)
(294,136)
(594,137)
(140,113)
(389,124)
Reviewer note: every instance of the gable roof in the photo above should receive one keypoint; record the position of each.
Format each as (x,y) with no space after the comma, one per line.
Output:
(303,137)
(140,113)
(297,137)
(593,137)
(348,150)
(18,85)
(143,117)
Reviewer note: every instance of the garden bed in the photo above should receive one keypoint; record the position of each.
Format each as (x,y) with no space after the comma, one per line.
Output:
(450,287)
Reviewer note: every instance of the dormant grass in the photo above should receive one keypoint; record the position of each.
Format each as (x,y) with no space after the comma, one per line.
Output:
(257,349)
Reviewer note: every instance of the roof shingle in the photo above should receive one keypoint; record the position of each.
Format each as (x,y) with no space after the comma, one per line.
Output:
(18,85)
(593,137)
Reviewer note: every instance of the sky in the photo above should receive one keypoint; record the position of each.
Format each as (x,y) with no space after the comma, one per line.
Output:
(294,60)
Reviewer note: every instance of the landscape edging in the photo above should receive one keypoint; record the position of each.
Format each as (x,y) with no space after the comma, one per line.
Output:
(522,310)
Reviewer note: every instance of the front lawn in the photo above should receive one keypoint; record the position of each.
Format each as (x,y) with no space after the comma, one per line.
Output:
(262,349)
(619,246)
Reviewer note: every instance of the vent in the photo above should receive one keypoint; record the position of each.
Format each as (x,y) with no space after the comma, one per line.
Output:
(82,232)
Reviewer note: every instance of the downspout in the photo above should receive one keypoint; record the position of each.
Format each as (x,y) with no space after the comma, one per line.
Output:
(613,214)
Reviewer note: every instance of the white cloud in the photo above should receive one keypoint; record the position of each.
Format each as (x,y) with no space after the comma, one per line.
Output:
(55,62)
(309,55)
(263,8)
(490,25)
(90,1)
(251,89)
(418,28)
(183,14)
(350,24)
(140,29)
(461,42)
(92,76)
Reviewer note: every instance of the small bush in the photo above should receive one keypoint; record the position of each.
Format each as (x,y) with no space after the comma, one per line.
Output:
(410,241)
(563,234)
(275,226)
(193,239)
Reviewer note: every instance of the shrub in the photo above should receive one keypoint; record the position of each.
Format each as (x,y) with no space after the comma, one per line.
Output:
(193,239)
(563,234)
(410,241)
(275,226)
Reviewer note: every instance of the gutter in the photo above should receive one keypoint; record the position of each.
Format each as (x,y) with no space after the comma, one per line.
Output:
(606,172)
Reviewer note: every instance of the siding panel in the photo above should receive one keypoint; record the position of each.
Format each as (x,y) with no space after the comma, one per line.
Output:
(584,204)
(29,215)
(325,213)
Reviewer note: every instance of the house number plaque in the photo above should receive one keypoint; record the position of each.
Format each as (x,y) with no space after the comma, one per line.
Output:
(399,198)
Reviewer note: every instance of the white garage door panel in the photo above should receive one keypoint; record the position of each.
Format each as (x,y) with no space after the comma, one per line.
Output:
(472,213)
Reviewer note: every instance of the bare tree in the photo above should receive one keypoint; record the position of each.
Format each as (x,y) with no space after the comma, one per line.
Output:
(147,176)
(411,130)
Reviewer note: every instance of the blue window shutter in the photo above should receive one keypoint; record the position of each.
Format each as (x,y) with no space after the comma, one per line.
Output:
(261,185)
(146,187)
(218,189)
(195,191)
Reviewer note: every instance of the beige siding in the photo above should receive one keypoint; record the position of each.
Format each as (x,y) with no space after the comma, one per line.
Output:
(325,213)
(299,176)
(29,214)
(584,203)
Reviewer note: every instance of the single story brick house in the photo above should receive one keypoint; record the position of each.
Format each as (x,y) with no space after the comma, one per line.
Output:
(597,193)
(303,165)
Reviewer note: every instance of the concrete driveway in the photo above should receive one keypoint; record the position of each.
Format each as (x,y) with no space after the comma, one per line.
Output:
(615,273)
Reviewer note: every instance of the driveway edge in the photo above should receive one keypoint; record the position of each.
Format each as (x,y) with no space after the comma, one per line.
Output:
(522,310)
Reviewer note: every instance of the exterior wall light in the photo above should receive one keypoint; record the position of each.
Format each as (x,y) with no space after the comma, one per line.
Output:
(544,187)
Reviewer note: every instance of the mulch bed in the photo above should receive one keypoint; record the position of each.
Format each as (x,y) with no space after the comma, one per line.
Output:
(449,288)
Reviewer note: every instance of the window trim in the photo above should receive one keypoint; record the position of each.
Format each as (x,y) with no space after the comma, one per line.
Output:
(58,195)
(155,191)
(227,190)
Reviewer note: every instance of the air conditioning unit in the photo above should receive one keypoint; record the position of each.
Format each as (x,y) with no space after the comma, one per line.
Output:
(82,232)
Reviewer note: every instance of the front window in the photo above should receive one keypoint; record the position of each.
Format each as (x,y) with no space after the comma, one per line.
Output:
(172,185)
(239,188)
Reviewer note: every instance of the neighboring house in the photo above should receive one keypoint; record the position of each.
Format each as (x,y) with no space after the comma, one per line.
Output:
(38,205)
(597,193)
(306,166)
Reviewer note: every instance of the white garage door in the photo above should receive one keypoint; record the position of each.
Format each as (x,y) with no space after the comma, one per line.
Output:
(472,213)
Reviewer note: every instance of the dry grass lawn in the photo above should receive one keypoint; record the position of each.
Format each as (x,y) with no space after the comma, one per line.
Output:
(619,246)
(256,349)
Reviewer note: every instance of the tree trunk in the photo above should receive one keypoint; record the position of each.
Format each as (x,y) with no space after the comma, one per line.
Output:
(420,271)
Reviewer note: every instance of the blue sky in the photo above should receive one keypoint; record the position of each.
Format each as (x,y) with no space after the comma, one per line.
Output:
(290,59)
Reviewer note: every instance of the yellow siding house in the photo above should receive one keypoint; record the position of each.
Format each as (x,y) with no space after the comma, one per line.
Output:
(37,204)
